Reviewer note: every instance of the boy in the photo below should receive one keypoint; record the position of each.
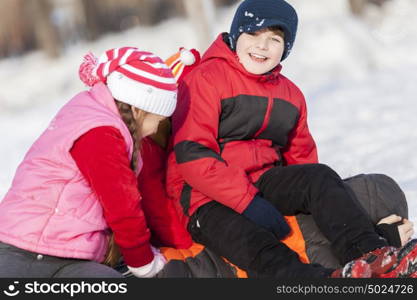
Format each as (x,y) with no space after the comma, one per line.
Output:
(243,153)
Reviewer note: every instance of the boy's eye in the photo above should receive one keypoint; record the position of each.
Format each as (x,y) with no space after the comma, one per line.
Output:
(276,39)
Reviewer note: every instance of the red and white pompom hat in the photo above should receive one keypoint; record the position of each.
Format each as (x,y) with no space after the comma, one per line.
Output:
(135,77)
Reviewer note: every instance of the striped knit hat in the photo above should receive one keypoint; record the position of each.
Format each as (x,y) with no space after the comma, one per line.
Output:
(136,77)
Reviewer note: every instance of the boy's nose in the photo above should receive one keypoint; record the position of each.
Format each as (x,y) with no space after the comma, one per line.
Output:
(262,44)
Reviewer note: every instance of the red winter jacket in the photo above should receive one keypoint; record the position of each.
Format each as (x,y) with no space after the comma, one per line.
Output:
(230,126)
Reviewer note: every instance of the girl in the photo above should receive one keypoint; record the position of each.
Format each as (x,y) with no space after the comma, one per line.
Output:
(76,191)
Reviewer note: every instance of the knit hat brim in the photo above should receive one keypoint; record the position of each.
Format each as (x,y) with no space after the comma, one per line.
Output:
(269,23)
(143,96)
(265,24)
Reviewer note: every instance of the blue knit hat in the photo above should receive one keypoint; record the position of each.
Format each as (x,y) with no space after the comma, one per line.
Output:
(254,15)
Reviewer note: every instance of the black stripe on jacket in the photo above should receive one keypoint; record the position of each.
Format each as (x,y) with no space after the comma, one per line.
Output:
(185,199)
(242,117)
(187,151)
(284,116)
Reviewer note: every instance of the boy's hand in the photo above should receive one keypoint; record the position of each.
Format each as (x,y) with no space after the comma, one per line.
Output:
(404,227)
(263,213)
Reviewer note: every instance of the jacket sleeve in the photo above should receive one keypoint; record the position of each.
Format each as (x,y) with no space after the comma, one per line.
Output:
(197,152)
(101,156)
(301,147)
(161,215)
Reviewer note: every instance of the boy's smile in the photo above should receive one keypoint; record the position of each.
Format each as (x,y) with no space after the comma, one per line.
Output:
(257,58)
(261,51)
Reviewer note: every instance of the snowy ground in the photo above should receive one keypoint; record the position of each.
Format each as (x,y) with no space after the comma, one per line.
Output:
(358,78)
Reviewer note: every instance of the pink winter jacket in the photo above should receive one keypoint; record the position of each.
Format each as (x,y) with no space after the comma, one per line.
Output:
(50,208)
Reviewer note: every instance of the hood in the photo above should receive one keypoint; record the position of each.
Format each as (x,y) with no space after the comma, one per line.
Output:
(220,50)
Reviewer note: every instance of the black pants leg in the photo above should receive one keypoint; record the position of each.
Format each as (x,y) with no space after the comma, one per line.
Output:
(317,189)
(247,245)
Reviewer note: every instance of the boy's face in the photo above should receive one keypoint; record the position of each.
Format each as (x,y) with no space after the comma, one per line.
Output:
(260,51)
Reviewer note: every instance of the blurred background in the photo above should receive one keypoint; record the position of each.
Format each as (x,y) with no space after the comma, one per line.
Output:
(355,61)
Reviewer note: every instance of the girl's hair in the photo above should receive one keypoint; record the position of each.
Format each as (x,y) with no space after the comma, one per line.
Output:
(125,110)
(126,113)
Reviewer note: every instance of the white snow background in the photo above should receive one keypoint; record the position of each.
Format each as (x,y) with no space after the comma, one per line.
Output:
(359,78)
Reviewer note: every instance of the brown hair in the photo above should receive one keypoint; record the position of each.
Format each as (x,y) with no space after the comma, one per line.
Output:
(113,252)
(126,113)
(161,137)
(277,30)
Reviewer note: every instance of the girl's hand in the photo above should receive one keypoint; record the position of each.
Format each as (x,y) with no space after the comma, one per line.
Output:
(151,269)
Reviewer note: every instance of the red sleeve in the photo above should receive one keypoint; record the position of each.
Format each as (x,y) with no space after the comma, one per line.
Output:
(301,148)
(195,130)
(102,158)
(161,215)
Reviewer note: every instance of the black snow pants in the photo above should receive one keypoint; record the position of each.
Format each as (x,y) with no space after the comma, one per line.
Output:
(309,189)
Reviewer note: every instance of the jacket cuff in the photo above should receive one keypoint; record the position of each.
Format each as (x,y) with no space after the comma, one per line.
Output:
(137,257)
(242,205)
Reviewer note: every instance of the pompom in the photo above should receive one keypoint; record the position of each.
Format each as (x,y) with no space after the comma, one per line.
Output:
(187,57)
(86,70)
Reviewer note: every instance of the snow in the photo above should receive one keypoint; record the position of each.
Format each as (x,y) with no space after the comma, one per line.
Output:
(358,78)
(249,14)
